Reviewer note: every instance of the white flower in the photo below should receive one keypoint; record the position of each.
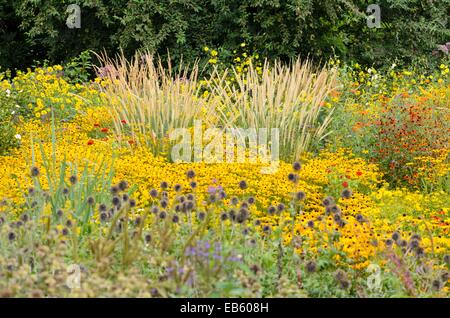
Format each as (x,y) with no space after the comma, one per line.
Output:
(13,112)
(8,92)
(18,136)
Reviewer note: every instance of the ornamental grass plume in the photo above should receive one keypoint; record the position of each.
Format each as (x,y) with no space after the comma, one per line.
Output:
(287,97)
(149,99)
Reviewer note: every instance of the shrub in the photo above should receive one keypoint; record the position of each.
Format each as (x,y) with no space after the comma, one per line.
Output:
(9,139)
(410,30)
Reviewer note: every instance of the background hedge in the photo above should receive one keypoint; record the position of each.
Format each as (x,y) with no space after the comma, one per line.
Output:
(411,29)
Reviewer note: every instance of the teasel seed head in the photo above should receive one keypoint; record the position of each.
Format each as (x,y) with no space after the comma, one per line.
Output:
(201,216)
(115,201)
(346,193)
(73,179)
(300,195)
(123,185)
(296,166)
(328,201)
(114,190)
(243,185)
(272,210)
(162,215)
(396,236)
(153,193)
(164,185)
(90,201)
(35,172)
(223,216)
(311,266)
(190,174)
(11,236)
(103,216)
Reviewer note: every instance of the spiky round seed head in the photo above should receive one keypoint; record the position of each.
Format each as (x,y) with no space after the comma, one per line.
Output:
(155,209)
(436,285)
(222,195)
(346,193)
(272,209)
(414,243)
(243,184)
(114,190)
(115,201)
(164,185)
(35,172)
(90,201)
(212,198)
(328,201)
(266,229)
(311,266)
(447,259)
(223,216)
(153,193)
(11,236)
(193,184)
(234,200)
(201,216)
(147,238)
(296,166)
(177,187)
(175,218)
(310,224)
(251,200)
(300,195)
(73,179)
(103,216)
(132,203)
(162,215)
(123,185)
(395,236)
(190,174)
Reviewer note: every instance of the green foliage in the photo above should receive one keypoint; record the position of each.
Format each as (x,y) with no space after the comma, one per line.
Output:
(410,30)
(78,69)
(8,137)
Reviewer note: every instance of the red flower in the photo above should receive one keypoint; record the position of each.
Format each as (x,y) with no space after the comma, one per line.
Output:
(345,184)
(358,173)
(90,142)
(96,125)
(123,121)
(105,130)
(131,142)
